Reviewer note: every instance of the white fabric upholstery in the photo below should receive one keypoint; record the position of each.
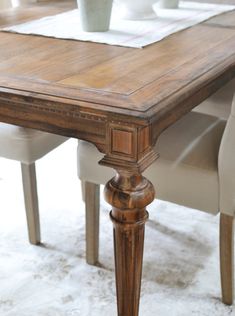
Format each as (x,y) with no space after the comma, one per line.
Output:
(186,172)
(26,145)
(227,166)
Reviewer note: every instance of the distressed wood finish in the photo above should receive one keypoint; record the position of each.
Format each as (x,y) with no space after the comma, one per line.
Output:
(129,194)
(86,82)
(227,257)
(118,98)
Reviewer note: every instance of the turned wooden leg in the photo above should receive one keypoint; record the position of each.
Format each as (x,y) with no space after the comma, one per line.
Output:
(129,195)
(226,258)
(31,202)
(92,201)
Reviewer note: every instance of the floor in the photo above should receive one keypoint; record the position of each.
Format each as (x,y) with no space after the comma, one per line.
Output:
(181,272)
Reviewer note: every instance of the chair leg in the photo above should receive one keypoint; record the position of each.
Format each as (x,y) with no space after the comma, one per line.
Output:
(226,258)
(83,188)
(92,202)
(31,202)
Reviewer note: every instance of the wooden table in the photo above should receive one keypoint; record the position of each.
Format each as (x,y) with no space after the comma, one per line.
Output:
(118,98)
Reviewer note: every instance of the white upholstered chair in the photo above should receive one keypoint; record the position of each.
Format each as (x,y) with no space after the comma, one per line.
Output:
(195,169)
(28,145)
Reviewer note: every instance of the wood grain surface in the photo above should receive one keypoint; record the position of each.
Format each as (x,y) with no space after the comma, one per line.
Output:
(118,98)
(133,82)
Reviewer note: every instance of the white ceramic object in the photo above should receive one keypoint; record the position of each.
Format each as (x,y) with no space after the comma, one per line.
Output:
(168,4)
(137,9)
(95,14)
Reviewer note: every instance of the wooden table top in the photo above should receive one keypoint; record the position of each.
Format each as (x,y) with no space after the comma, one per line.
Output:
(134,85)
(118,98)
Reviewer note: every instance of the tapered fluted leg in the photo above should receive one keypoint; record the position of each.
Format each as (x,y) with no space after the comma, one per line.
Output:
(129,195)
(227,258)
(92,201)
(31,202)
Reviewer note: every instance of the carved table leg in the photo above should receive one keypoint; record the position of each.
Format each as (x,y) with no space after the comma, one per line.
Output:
(129,194)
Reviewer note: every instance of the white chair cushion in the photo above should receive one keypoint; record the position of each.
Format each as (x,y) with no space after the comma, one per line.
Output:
(26,145)
(186,172)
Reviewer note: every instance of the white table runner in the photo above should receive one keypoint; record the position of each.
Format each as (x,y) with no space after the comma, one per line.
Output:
(123,32)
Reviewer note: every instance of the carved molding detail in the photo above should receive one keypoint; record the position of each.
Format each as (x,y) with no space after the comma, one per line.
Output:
(122,141)
(56,110)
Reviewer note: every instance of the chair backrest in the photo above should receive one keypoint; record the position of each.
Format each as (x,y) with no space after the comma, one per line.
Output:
(226,166)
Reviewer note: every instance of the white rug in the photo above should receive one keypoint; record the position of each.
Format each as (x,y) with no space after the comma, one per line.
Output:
(181,271)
